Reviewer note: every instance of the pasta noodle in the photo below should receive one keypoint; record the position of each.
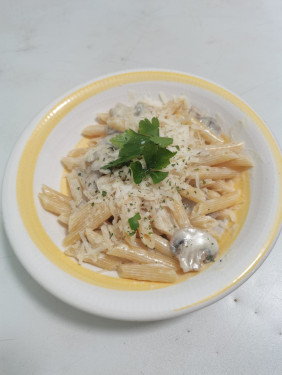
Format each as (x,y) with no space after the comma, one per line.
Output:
(161,244)
(117,224)
(216,204)
(139,255)
(95,131)
(150,272)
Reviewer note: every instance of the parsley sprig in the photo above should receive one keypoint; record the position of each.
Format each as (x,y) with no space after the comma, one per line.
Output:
(147,144)
(133,223)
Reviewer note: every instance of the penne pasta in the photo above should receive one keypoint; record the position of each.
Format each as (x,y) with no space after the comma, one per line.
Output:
(161,245)
(55,202)
(215,173)
(76,152)
(94,142)
(225,214)
(217,204)
(95,131)
(224,146)
(56,195)
(222,186)
(71,162)
(75,187)
(148,272)
(142,256)
(210,194)
(164,222)
(93,237)
(218,158)
(87,216)
(203,222)
(240,161)
(107,262)
(118,124)
(192,193)
(72,252)
(180,215)
(64,219)
(102,118)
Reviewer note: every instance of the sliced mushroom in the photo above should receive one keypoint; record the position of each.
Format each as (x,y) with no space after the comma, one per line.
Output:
(193,248)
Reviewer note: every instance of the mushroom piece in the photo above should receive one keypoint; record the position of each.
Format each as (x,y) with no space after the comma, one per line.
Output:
(212,124)
(193,248)
(138,109)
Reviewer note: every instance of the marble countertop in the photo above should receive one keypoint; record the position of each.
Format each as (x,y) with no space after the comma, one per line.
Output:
(46,48)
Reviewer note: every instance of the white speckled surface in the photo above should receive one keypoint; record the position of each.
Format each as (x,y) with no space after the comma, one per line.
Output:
(46,48)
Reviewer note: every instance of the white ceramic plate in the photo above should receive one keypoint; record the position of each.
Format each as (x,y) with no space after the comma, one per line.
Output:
(36,235)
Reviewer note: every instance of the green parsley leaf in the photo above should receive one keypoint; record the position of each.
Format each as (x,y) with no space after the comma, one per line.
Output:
(130,144)
(156,157)
(104,193)
(158,176)
(138,172)
(133,223)
(162,141)
(119,162)
(133,147)
(146,143)
(150,151)
(121,139)
(149,128)
(163,156)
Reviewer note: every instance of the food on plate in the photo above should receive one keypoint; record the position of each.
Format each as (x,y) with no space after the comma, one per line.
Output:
(153,177)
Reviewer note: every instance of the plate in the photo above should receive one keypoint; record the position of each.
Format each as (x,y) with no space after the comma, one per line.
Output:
(36,236)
